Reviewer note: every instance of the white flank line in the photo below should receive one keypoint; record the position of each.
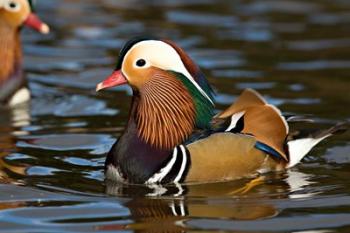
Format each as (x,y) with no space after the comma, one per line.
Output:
(183,165)
(157,177)
(21,96)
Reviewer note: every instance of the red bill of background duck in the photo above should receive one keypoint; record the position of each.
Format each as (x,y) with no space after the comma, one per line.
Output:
(14,14)
(172,134)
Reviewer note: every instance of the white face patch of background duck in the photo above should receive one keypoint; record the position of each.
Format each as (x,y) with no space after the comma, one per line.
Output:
(3,3)
(21,96)
(12,6)
(234,119)
(160,54)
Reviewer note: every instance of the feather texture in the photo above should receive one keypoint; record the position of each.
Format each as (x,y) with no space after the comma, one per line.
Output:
(204,108)
(267,126)
(172,136)
(248,98)
(10,51)
(193,69)
(261,120)
(224,156)
(166,112)
(11,74)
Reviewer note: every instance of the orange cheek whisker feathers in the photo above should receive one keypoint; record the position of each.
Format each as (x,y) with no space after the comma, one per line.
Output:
(166,113)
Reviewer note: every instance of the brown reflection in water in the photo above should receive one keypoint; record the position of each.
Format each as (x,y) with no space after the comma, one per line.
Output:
(11,205)
(230,200)
(7,146)
(8,143)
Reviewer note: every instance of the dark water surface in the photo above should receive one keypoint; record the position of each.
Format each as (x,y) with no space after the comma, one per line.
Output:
(296,53)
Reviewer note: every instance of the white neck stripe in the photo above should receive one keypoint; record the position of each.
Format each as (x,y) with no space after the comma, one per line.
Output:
(157,177)
(183,165)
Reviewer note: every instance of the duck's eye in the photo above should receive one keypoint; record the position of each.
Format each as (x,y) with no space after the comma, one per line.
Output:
(13,6)
(140,62)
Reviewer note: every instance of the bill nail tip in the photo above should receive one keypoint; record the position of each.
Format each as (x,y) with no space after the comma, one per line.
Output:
(99,87)
(45,29)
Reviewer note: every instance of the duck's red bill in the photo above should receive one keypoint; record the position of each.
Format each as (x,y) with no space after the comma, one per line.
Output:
(34,22)
(115,79)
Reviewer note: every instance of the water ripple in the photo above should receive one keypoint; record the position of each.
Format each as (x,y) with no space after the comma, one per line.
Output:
(314,65)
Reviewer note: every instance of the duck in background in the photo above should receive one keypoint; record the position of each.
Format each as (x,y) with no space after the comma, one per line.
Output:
(14,14)
(173,136)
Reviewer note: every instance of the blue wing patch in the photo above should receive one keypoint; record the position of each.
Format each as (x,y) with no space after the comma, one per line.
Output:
(267,149)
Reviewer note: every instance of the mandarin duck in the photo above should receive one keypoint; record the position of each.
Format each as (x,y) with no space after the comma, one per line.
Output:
(14,14)
(172,134)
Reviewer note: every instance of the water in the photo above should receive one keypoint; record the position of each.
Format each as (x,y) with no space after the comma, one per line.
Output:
(296,53)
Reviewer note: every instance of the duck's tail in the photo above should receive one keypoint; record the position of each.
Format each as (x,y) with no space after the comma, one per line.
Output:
(299,147)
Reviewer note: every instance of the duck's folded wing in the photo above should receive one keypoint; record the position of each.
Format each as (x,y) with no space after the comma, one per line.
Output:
(251,115)
(248,98)
(224,156)
(268,127)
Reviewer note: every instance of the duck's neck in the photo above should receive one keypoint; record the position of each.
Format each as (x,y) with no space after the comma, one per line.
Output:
(136,159)
(165,114)
(11,75)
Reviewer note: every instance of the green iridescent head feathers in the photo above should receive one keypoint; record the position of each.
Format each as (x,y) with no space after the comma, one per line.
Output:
(204,106)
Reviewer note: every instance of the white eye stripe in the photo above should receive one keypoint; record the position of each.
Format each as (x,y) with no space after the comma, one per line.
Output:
(11,5)
(162,55)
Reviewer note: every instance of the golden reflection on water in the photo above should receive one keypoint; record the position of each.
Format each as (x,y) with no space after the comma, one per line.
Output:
(237,200)
(229,200)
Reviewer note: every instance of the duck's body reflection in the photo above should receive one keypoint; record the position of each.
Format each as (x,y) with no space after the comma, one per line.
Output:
(11,120)
(169,211)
